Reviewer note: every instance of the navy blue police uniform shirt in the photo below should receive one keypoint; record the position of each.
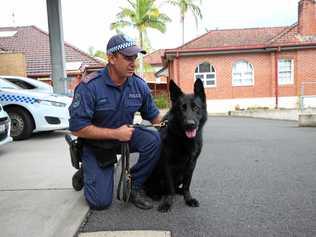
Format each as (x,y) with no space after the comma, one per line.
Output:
(98,101)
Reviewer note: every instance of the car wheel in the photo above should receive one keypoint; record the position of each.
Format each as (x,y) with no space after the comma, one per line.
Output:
(21,124)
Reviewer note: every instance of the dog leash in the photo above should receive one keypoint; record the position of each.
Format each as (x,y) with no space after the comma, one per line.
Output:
(155,125)
(125,182)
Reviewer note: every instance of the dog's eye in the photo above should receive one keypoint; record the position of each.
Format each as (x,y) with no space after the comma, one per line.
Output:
(196,108)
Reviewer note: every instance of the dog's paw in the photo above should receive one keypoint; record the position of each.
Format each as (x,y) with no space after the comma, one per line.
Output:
(164,207)
(192,202)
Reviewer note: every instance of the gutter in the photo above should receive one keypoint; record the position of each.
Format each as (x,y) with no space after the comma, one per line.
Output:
(69,72)
(170,54)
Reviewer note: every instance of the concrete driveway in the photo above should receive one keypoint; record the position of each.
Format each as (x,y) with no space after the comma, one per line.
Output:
(36,197)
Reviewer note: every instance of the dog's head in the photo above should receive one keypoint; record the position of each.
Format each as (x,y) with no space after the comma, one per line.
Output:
(188,110)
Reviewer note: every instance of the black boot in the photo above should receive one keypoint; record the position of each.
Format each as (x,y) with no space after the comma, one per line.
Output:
(140,200)
(77,180)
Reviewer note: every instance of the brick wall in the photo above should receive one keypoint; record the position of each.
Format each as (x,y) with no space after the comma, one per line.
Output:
(12,64)
(307,17)
(264,73)
(306,71)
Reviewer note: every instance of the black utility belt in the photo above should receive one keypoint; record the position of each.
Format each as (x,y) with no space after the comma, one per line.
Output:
(105,151)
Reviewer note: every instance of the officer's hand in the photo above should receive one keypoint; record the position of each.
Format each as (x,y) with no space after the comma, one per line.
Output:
(124,133)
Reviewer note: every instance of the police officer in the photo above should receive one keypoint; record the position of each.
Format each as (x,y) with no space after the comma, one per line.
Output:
(104,105)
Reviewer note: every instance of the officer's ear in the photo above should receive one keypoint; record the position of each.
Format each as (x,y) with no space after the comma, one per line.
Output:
(111,58)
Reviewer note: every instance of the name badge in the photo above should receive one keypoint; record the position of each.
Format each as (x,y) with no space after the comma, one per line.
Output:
(134,96)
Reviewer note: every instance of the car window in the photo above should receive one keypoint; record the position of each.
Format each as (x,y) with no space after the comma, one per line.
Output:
(4,84)
(22,84)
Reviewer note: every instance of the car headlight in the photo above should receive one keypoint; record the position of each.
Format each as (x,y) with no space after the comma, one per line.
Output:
(50,103)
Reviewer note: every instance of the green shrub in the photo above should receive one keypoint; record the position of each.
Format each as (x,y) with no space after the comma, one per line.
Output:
(162,101)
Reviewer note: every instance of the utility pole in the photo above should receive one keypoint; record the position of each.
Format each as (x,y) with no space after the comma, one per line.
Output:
(56,44)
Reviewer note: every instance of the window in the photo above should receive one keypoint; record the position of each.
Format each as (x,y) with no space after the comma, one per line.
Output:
(21,84)
(242,74)
(206,73)
(285,71)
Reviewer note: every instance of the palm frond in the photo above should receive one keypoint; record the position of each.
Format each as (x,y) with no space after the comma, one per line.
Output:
(125,13)
(196,11)
(120,24)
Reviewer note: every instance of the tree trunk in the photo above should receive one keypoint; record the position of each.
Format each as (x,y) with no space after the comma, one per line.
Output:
(182,23)
(141,58)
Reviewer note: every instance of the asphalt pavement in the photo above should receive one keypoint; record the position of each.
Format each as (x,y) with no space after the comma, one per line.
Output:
(255,177)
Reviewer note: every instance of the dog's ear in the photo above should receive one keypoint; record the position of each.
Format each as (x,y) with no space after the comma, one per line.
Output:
(175,91)
(199,89)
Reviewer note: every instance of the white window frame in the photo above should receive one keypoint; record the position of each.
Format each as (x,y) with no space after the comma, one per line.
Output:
(243,75)
(203,76)
(288,80)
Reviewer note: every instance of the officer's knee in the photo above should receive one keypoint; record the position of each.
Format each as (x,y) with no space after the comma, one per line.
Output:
(97,199)
(99,204)
(156,138)
(155,141)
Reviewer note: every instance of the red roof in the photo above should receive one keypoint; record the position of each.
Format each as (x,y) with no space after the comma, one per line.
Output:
(154,58)
(34,43)
(234,37)
(216,40)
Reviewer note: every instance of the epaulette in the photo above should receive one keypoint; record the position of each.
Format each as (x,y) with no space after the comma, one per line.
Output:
(139,77)
(90,77)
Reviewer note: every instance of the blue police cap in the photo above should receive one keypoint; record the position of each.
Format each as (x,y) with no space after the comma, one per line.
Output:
(123,44)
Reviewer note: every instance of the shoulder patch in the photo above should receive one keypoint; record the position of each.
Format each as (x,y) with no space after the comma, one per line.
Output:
(90,77)
(76,101)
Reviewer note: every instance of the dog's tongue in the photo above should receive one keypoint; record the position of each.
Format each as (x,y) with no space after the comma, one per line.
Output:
(190,133)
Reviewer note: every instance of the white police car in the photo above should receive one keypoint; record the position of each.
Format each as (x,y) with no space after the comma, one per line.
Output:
(4,127)
(33,111)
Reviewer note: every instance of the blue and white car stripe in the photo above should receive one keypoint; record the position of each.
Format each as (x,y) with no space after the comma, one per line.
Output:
(17,98)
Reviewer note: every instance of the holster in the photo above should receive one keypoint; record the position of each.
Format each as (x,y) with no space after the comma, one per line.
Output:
(104,150)
(75,147)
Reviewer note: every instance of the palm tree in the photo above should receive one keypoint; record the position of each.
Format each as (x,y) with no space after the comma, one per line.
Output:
(141,14)
(184,6)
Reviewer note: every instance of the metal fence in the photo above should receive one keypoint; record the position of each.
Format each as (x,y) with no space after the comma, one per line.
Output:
(308,95)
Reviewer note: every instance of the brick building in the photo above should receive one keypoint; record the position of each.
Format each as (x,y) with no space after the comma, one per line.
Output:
(255,67)
(153,63)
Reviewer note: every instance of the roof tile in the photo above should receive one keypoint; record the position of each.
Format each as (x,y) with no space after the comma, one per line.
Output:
(34,43)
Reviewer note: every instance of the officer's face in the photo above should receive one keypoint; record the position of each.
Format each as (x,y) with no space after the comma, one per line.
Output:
(125,65)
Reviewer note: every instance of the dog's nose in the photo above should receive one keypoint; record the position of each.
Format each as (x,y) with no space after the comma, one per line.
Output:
(190,124)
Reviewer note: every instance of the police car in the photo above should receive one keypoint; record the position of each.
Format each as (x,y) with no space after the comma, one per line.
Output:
(4,127)
(33,111)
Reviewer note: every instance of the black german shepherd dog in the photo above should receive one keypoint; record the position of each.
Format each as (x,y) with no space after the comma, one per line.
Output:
(181,144)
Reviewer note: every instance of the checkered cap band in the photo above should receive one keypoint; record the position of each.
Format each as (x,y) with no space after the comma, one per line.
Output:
(121,46)
(17,98)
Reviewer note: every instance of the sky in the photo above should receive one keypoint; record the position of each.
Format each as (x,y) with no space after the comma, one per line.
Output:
(87,23)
